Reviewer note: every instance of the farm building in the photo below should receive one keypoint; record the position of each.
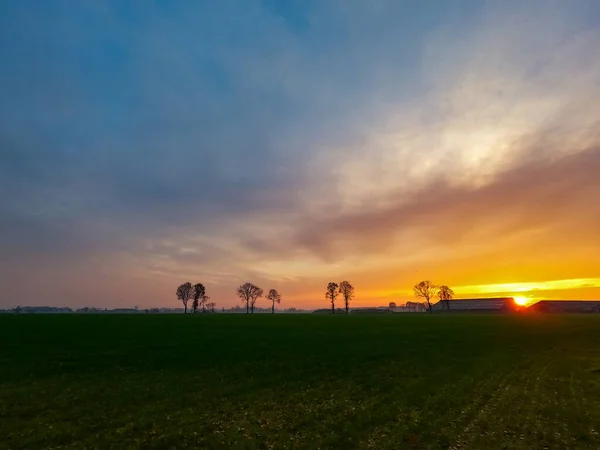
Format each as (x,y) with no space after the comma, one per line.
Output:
(566,306)
(486,305)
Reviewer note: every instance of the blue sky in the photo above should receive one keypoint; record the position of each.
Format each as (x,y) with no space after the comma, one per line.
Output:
(147,143)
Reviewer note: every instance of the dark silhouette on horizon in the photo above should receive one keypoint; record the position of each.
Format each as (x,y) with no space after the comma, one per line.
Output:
(185,293)
(331,294)
(425,290)
(347,291)
(248,294)
(275,297)
(199,293)
(445,294)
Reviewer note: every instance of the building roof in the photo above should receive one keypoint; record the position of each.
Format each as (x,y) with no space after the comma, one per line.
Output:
(477,304)
(567,305)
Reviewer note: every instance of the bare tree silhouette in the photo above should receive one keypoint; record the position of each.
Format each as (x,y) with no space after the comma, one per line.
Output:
(199,292)
(331,294)
(445,294)
(249,293)
(203,301)
(425,290)
(257,294)
(347,291)
(415,306)
(184,293)
(275,297)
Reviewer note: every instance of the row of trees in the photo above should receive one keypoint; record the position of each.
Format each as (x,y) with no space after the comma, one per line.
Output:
(249,293)
(345,289)
(196,293)
(427,290)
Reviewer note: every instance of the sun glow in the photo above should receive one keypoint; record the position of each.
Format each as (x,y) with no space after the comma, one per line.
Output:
(519,300)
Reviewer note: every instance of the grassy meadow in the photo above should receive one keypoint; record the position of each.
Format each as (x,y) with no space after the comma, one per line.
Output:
(299,381)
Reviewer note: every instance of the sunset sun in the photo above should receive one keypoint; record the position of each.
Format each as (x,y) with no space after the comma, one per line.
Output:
(520,300)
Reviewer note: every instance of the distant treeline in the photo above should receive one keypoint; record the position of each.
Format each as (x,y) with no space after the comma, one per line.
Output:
(249,294)
(87,310)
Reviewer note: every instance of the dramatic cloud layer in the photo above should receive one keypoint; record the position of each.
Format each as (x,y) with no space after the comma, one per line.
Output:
(145,144)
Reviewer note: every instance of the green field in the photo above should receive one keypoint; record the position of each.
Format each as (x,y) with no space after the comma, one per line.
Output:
(299,381)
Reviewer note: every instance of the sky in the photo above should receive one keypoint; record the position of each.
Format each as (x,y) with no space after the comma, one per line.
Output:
(292,143)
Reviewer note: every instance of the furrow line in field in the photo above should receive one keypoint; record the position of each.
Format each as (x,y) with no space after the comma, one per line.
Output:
(467,436)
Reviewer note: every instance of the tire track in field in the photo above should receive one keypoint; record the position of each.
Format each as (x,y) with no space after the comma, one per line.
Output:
(561,411)
(529,394)
(412,416)
(477,402)
(582,406)
(534,407)
(523,417)
(539,401)
(485,409)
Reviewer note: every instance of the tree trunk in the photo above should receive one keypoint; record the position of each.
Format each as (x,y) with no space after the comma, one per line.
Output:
(332,308)
(247,305)
(346,307)
(273,308)
(184,308)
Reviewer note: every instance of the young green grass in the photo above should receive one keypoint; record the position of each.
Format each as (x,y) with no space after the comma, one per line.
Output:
(299,381)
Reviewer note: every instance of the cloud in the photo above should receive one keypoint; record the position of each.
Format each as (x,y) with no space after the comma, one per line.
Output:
(512,228)
(550,285)
(238,141)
